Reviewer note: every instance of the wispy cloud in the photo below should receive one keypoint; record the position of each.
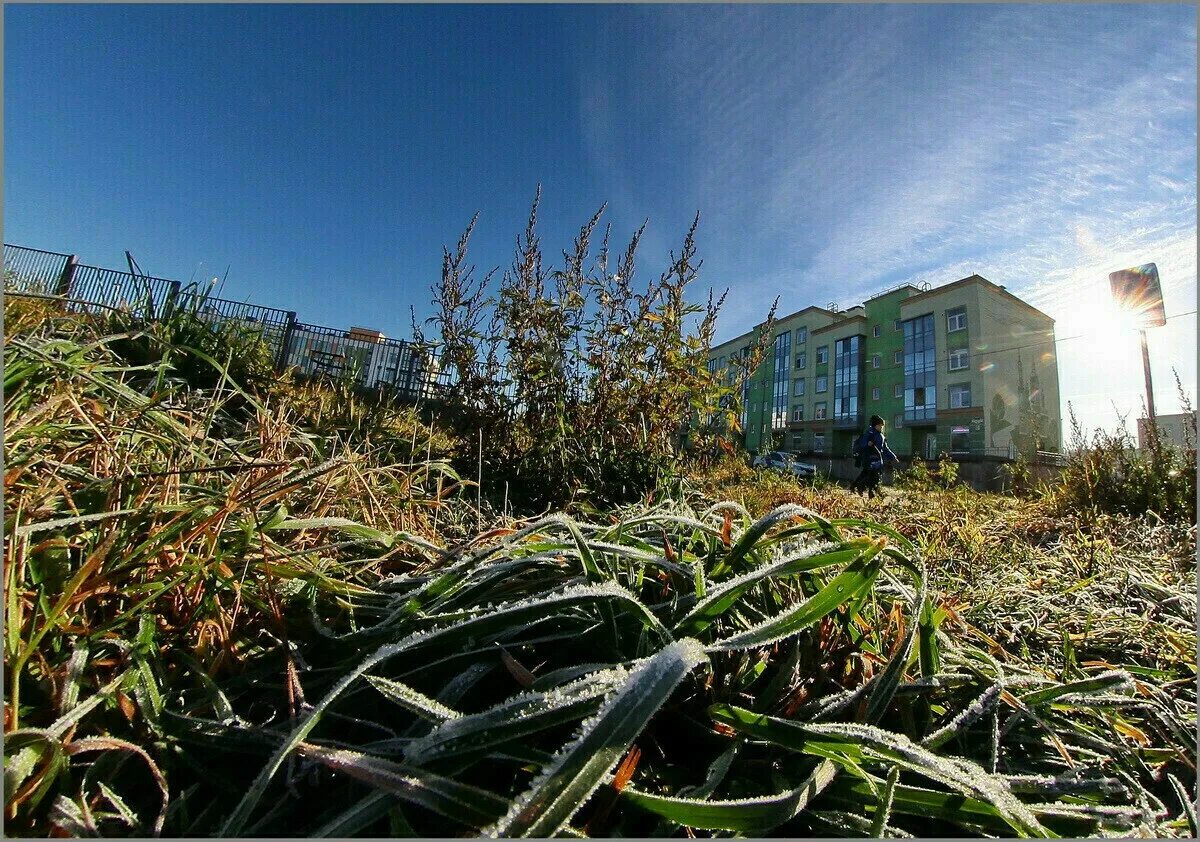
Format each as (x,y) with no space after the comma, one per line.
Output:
(836,152)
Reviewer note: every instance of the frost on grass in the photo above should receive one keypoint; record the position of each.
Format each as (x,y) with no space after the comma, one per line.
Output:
(685,654)
(981,706)
(956,773)
(514,712)
(720,591)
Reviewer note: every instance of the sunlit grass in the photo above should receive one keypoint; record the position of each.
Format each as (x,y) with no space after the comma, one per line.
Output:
(273,612)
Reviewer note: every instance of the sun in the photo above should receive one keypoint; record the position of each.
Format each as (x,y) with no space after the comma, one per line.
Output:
(1085,308)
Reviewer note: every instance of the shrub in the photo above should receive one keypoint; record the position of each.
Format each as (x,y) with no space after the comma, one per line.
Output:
(580,388)
(947,473)
(199,350)
(916,477)
(1109,473)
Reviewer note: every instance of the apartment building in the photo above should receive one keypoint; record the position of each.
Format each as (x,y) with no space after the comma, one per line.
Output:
(966,368)
(1179,430)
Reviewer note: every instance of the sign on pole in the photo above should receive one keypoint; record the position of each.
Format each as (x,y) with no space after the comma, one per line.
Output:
(1137,291)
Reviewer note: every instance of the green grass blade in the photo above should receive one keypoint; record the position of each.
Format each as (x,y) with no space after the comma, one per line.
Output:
(520,716)
(883,811)
(753,815)
(721,598)
(854,580)
(460,802)
(562,789)
(750,538)
(412,700)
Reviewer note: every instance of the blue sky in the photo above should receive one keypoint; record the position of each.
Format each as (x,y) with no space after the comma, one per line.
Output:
(326,153)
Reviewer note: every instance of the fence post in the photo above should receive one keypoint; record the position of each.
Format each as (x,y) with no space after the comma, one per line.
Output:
(286,342)
(68,275)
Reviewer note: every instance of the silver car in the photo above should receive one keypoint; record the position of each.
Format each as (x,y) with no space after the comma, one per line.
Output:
(777,460)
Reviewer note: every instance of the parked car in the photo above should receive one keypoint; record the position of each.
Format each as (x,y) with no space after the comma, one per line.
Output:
(777,460)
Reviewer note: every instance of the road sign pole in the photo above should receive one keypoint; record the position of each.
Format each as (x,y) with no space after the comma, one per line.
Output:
(1146,368)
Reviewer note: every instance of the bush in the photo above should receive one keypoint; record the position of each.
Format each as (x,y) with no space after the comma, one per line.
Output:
(580,388)
(199,350)
(1109,473)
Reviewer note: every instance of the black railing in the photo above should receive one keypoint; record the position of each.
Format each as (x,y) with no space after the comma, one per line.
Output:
(33,270)
(144,296)
(371,360)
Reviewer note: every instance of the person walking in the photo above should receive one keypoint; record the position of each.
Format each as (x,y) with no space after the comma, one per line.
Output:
(871,452)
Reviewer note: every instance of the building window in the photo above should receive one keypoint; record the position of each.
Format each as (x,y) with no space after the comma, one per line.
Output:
(877,331)
(798,412)
(802,360)
(819,411)
(823,355)
(898,358)
(960,440)
(712,366)
(876,361)
(801,335)
(783,374)
(798,391)
(847,385)
(898,390)
(959,359)
(822,383)
(875,393)
(819,442)
(896,324)
(920,370)
(898,420)
(956,319)
(960,396)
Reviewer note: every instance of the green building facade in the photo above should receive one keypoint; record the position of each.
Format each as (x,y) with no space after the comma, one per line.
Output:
(967,369)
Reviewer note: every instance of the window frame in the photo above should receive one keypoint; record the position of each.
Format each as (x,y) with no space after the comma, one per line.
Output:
(823,351)
(817,388)
(875,392)
(801,334)
(797,410)
(898,390)
(798,387)
(877,331)
(802,359)
(897,325)
(876,361)
(957,389)
(955,313)
(820,411)
(965,354)
(898,421)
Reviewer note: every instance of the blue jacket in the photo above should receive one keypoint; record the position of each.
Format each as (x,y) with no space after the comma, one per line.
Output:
(877,448)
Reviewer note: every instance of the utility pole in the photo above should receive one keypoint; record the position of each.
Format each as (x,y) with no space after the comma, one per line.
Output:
(1137,291)
(1149,382)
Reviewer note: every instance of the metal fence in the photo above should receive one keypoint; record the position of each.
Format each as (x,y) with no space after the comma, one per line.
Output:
(33,270)
(90,285)
(371,360)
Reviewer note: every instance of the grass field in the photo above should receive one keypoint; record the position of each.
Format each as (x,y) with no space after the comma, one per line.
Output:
(244,607)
